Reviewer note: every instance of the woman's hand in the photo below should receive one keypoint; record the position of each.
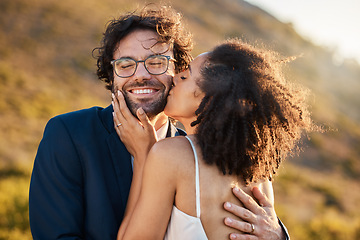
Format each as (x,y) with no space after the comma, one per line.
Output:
(259,220)
(138,136)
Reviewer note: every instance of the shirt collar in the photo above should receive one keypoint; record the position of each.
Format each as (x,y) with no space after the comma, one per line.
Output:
(161,132)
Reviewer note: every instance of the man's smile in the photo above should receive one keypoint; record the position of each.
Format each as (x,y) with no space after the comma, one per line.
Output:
(143,91)
(148,92)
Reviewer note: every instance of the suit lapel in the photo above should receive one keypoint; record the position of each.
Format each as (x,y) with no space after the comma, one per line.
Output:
(121,160)
(120,157)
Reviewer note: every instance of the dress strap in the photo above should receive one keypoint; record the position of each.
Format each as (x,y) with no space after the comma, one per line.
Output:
(197,182)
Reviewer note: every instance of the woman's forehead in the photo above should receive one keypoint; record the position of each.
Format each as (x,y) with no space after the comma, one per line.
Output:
(199,60)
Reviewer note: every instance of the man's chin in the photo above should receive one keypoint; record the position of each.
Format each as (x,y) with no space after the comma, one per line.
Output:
(151,109)
(151,106)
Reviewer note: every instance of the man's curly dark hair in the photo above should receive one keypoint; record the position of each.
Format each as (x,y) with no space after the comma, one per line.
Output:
(164,20)
(250,118)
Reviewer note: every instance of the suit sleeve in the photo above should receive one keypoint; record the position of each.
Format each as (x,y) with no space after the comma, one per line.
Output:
(287,236)
(56,188)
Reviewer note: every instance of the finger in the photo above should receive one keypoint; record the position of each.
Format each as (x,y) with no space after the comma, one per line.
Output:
(247,200)
(244,236)
(240,212)
(116,106)
(261,197)
(145,121)
(116,125)
(239,225)
(125,111)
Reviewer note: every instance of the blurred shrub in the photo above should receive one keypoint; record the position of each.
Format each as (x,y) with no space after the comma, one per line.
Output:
(333,226)
(14,211)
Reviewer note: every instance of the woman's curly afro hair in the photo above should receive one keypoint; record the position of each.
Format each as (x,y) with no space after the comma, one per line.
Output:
(250,118)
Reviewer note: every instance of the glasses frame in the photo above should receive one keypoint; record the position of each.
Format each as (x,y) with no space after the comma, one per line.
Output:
(143,61)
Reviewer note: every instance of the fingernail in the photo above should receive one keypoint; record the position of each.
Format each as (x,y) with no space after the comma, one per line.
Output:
(119,93)
(227,205)
(232,236)
(228,220)
(113,114)
(112,95)
(141,111)
(112,103)
(236,189)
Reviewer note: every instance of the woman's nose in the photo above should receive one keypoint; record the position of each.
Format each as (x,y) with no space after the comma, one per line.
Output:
(175,79)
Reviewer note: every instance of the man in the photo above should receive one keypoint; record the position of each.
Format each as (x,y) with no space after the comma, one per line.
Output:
(82,172)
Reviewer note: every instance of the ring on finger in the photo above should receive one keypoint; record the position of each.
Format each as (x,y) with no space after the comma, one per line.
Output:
(118,125)
(252,228)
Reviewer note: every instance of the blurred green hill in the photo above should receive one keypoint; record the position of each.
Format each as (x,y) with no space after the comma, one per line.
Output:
(46,68)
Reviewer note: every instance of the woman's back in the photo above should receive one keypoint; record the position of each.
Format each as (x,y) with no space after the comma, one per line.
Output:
(215,189)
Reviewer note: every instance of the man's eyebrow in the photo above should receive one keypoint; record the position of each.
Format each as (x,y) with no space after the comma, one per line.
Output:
(126,56)
(132,57)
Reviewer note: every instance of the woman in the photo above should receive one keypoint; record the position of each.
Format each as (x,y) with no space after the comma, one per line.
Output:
(242,120)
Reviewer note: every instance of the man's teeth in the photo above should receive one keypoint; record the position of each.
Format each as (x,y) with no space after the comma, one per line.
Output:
(143,91)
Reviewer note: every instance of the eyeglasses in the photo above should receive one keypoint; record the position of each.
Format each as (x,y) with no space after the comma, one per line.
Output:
(155,65)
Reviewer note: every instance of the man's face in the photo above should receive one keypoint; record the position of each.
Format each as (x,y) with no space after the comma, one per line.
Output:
(144,89)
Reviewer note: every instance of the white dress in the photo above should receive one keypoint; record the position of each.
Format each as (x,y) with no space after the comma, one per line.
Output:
(181,225)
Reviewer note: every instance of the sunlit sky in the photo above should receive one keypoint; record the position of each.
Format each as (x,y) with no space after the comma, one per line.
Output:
(332,23)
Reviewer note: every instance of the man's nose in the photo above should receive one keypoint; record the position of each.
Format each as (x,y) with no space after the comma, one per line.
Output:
(141,73)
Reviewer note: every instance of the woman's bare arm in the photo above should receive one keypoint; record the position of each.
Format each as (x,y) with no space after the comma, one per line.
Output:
(149,217)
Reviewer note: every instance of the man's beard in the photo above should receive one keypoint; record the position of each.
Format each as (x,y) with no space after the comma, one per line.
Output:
(152,108)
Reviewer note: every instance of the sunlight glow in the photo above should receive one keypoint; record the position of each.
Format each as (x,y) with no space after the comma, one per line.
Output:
(329,23)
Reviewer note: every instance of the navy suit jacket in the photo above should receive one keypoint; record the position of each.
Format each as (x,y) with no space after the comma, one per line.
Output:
(81,177)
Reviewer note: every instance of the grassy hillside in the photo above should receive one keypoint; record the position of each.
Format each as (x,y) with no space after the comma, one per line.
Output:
(46,68)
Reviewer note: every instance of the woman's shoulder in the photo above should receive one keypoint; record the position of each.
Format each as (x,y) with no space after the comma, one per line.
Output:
(171,145)
(171,149)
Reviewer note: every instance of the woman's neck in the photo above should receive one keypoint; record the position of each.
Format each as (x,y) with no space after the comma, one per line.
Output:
(188,128)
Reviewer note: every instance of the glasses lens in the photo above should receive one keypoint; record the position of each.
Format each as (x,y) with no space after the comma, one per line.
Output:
(125,67)
(157,64)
